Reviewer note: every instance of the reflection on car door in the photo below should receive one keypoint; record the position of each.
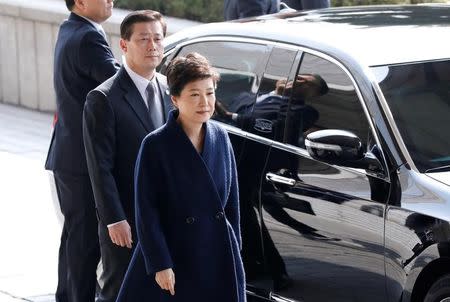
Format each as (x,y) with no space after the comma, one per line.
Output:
(326,222)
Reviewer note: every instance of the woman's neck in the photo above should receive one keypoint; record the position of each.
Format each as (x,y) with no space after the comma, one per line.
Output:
(194,132)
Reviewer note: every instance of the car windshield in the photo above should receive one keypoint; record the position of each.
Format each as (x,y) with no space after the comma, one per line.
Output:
(418,95)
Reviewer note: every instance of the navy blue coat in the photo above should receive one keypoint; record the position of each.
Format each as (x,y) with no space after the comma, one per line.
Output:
(83,60)
(187,218)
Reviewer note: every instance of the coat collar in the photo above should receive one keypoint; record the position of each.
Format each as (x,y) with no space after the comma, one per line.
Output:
(175,126)
(206,159)
(75,17)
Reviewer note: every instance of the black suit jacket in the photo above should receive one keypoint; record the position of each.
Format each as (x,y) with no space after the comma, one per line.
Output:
(237,9)
(307,4)
(83,60)
(114,124)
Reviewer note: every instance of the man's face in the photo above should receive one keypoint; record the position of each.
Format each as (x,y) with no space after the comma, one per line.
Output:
(144,50)
(95,10)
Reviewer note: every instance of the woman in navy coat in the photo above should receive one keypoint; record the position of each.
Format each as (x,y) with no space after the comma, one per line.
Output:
(187,207)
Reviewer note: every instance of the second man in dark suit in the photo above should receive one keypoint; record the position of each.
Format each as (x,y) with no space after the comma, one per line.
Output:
(117,116)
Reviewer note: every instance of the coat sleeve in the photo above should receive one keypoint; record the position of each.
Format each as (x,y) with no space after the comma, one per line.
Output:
(96,57)
(232,206)
(147,201)
(99,141)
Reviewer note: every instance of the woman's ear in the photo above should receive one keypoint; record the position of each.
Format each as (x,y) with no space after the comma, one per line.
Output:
(174,101)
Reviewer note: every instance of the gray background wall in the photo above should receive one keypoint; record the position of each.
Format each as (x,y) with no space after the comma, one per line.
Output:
(28,30)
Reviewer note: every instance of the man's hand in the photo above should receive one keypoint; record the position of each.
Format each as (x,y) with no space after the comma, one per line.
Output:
(120,234)
(166,280)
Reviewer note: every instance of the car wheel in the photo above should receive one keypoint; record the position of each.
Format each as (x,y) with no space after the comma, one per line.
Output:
(439,291)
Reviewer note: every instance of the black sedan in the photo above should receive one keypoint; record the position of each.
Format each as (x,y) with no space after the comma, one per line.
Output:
(340,123)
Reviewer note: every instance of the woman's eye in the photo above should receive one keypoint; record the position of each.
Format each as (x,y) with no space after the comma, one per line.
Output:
(194,94)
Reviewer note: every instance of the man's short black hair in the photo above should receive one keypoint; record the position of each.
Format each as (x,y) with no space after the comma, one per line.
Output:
(70,4)
(126,27)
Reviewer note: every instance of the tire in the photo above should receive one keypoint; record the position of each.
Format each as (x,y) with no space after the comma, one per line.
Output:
(439,291)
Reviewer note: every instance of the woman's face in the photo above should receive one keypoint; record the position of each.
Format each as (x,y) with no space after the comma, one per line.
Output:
(196,101)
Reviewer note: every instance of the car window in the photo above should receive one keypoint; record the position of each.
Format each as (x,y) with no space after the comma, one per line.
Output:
(322,96)
(269,111)
(240,66)
(418,95)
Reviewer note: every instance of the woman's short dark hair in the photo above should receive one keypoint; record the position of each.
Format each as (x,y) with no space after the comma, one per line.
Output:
(70,4)
(126,27)
(183,70)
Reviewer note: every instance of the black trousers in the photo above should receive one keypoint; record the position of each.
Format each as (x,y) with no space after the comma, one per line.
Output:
(115,260)
(79,251)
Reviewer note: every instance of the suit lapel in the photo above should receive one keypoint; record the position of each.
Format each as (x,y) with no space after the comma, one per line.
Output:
(164,95)
(134,99)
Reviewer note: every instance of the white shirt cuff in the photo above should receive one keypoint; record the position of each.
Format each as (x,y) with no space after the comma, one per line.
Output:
(113,224)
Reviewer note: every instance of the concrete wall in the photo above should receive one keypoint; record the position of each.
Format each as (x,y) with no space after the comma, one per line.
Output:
(28,30)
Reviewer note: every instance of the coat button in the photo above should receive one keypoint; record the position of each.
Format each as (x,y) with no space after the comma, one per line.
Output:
(219,215)
(190,220)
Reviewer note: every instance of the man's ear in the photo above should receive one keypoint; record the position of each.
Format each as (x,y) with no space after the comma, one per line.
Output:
(80,4)
(123,45)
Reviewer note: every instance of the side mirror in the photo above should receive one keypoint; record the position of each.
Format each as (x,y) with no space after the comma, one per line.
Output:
(343,148)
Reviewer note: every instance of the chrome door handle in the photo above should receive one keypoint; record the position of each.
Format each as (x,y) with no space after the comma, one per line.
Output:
(280,179)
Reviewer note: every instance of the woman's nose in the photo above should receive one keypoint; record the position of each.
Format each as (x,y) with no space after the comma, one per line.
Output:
(204,100)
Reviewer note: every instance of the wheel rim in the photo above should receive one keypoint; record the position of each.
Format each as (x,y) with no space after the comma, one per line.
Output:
(445,300)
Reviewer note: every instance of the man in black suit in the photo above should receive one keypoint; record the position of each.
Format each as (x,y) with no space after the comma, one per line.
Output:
(83,60)
(237,9)
(307,4)
(117,116)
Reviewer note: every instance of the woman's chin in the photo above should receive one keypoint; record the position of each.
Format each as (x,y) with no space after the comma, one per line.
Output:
(203,117)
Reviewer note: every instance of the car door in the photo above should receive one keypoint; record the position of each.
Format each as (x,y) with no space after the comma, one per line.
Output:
(262,127)
(326,221)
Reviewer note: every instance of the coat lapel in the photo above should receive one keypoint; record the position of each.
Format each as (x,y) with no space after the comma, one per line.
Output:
(134,99)
(215,162)
(195,156)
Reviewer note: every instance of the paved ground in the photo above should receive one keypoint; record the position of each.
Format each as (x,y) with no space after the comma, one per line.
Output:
(29,228)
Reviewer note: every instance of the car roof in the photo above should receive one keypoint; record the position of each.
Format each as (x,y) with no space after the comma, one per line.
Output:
(372,35)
